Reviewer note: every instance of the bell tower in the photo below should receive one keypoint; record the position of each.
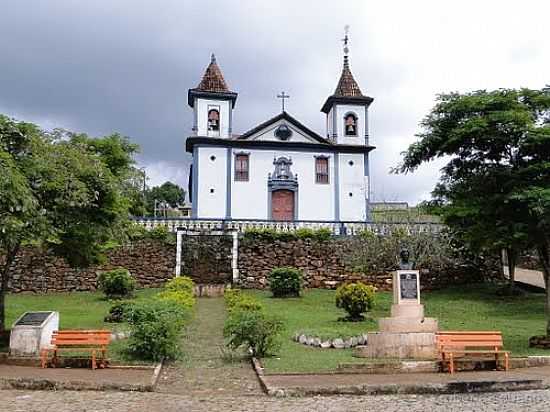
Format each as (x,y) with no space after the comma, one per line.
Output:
(212,104)
(347,108)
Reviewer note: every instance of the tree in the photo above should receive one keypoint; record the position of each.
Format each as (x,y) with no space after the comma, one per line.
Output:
(495,189)
(168,192)
(58,190)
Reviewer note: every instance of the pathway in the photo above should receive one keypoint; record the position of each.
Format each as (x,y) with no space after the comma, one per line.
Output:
(527,276)
(205,371)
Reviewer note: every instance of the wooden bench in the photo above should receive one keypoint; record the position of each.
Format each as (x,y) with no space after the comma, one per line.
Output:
(453,344)
(94,341)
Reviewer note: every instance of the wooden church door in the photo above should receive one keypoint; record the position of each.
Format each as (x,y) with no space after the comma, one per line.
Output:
(282,205)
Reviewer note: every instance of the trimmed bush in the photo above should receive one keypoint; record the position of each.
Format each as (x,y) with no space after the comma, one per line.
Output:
(235,300)
(231,296)
(355,299)
(116,283)
(183,299)
(181,284)
(179,290)
(285,282)
(156,329)
(254,330)
(118,312)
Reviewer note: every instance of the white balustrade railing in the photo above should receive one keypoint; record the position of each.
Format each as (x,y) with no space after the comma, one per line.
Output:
(241,225)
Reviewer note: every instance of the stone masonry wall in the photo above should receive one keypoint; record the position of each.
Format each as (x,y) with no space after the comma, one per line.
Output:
(325,265)
(151,262)
(207,259)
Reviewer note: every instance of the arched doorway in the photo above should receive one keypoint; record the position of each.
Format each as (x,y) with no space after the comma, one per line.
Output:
(282,205)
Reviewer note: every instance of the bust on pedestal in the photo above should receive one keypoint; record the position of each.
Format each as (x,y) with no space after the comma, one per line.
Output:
(407,333)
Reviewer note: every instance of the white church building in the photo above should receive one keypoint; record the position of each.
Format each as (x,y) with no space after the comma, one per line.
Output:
(279,170)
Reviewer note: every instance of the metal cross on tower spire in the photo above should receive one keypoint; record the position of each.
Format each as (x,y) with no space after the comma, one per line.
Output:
(346,39)
(283,96)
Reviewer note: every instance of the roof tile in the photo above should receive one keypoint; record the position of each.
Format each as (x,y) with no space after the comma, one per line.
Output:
(212,80)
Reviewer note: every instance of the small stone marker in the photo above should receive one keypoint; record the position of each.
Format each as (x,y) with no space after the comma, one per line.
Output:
(33,332)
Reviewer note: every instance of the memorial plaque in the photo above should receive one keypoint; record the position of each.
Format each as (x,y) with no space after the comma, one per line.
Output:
(33,318)
(408,285)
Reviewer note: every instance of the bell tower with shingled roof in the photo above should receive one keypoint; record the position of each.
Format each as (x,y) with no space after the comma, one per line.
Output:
(347,108)
(212,104)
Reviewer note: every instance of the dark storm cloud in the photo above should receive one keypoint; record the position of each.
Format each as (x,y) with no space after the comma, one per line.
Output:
(103,66)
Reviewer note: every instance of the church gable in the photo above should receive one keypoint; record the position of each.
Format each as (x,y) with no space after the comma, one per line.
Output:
(283,128)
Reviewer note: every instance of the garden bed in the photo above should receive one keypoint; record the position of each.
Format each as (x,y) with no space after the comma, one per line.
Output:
(77,310)
(476,307)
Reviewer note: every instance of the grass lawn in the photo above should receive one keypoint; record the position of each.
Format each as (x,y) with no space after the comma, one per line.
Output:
(77,310)
(475,307)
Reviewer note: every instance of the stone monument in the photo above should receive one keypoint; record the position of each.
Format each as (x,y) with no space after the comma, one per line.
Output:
(32,332)
(407,334)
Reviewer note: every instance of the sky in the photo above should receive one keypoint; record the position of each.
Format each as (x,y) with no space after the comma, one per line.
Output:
(125,66)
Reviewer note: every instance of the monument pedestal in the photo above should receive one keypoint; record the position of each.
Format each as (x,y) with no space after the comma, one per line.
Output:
(407,334)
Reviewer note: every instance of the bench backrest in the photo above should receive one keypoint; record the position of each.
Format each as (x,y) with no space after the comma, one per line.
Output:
(81,338)
(469,339)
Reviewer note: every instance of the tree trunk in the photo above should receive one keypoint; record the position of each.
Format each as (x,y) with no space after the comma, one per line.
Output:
(511,257)
(544,257)
(4,274)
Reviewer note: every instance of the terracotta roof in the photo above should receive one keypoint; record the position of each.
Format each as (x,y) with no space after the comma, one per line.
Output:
(347,86)
(212,80)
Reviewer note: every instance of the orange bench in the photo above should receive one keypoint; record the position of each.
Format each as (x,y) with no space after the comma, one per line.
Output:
(95,341)
(453,344)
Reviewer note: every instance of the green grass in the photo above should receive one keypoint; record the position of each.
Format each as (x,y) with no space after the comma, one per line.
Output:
(77,310)
(467,308)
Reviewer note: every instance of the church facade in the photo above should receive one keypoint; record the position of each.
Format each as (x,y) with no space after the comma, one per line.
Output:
(279,170)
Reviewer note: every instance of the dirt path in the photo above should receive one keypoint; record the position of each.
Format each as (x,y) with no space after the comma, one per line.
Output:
(203,370)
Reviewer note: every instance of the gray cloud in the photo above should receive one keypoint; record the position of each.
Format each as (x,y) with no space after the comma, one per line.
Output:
(126,65)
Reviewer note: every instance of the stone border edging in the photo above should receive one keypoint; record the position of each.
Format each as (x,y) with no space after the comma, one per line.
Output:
(411,389)
(335,343)
(51,384)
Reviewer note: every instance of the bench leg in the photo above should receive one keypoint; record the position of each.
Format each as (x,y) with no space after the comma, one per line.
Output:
(93,360)
(54,358)
(44,358)
(496,361)
(506,362)
(451,364)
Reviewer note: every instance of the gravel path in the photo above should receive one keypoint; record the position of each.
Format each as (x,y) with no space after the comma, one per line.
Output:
(67,401)
(205,371)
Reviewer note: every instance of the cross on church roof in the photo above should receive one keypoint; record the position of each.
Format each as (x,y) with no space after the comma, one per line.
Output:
(283,96)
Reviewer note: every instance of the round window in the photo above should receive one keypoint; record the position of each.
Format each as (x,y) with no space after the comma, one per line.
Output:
(283,132)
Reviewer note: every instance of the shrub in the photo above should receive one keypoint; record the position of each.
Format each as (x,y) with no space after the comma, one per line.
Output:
(180,284)
(355,299)
(235,301)
(162,233)
(156,328)
(285,282)
(183,299)
(254,330)
(231,296)
(117,283)
(118,312)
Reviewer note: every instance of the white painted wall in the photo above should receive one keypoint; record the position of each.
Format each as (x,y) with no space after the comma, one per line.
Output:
(211,175)
(352,180)
(341,111)
(250,199)
(202,106)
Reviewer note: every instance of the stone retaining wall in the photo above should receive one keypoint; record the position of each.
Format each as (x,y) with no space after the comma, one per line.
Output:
(151,262)
(325,264)
(207,259)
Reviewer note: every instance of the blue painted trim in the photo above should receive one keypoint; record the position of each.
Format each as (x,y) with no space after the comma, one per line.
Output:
(366,126)
(334,125)
(229,183)
(195,117)
(367,200)
(230,128)
(195,200)
(336,187)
